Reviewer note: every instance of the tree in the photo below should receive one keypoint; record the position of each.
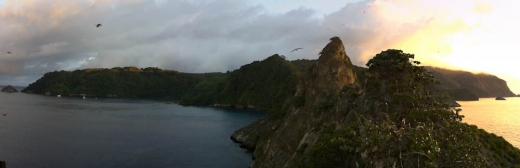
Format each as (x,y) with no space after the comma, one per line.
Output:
(401,121)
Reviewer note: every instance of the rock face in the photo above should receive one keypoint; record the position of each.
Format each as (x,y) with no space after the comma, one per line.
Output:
(9,89)
(289,131)
(500,98)
(453,103)
(481,85)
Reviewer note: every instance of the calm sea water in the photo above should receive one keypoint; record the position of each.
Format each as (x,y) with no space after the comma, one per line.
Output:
(499,117)
(45,131)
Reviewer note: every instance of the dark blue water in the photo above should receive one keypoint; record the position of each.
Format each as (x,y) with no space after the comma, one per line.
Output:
(46,131)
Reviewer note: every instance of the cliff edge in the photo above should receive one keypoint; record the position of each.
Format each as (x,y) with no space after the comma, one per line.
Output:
(297,125)
(396,119)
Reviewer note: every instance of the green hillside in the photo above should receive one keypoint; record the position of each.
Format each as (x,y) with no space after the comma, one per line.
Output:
(260,84)
(481,85)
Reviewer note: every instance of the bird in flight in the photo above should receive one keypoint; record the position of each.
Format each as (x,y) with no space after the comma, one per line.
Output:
(9,52)
(296,49)
(99,25)
(4,114)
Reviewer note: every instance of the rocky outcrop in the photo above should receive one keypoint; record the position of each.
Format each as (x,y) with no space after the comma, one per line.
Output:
(297,125)
(9,89)
(453,103)
(500,98)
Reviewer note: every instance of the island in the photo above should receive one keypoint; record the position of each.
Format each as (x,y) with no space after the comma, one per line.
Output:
(393,116)
(325,112)
(9,89)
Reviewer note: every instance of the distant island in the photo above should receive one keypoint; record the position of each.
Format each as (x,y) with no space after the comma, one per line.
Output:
(260,84)
(464,85)
(325,112)
(9,89)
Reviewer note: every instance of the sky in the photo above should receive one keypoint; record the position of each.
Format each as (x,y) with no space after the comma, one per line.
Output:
(198,36)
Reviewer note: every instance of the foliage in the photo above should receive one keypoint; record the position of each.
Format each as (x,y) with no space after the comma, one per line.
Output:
(303,65)
(497,148)
(261,84)
(116,82)
(481,85)
(206,91)
(407,123)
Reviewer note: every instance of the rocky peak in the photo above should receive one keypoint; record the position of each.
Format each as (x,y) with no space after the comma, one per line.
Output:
(318,103)
(9,89)
(330,74)
(334,64)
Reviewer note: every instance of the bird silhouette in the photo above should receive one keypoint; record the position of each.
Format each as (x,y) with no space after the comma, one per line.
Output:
(99,25)
(296,49)
(9,52)
(4,114)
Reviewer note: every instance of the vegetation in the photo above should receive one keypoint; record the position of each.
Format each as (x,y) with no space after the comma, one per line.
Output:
(399,118)
(408,124)
(116,82)
(481,85)
(461,85)
(462,94)
(260,84)
(303,65)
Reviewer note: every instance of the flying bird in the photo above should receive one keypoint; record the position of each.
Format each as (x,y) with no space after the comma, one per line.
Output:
(99,25)
(9,52)
(296,49)
(4,114)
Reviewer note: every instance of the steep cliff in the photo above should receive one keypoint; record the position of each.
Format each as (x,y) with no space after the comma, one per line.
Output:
(481,85)
(395,119)
(297,125)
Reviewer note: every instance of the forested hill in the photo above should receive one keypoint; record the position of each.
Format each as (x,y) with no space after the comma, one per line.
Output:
(117,82)
(395,119)
(482,85)
(461,85)
(260,84)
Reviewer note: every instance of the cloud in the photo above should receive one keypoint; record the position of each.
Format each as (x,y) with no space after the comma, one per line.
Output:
(208,35)
(482,7)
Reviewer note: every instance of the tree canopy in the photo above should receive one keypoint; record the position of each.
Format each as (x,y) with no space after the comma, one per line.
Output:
(402,121)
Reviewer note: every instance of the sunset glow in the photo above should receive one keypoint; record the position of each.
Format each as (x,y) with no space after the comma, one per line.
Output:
(206,35)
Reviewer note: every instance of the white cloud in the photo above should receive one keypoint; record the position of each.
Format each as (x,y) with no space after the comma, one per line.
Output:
(211,35)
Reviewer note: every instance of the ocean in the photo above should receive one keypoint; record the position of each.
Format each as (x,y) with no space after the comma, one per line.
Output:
(47,131)
(501,117)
